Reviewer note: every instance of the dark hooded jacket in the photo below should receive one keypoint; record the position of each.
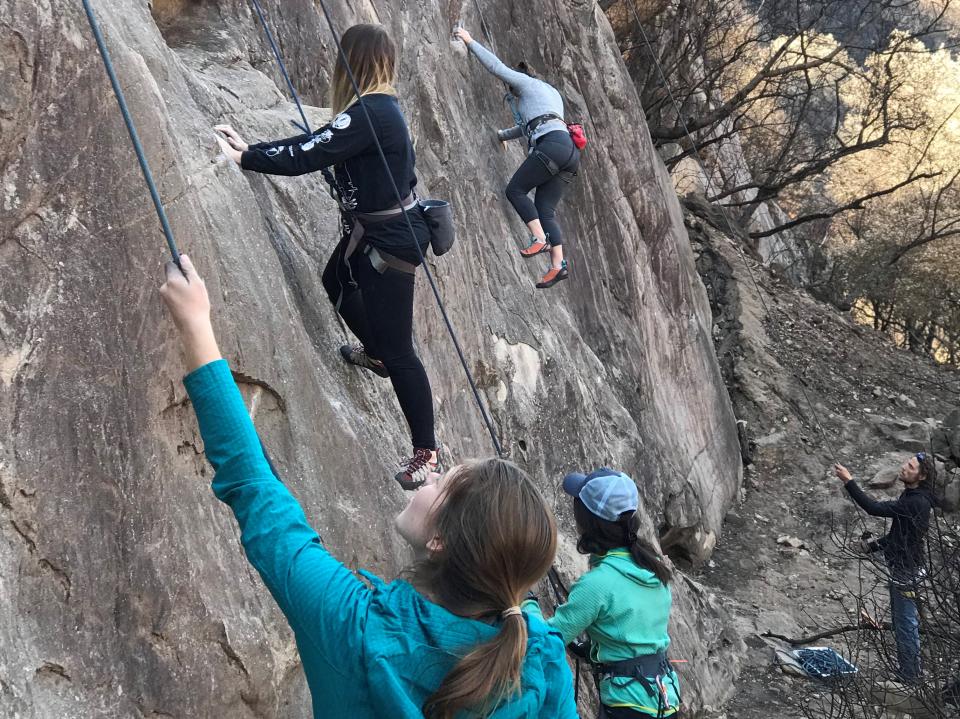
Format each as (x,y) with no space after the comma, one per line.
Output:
(903,545)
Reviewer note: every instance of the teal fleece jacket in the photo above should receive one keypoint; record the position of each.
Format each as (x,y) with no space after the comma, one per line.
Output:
(369,649)
(625,610)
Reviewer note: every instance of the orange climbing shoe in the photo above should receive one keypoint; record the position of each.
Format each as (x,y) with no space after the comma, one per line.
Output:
(535,248)
(553,276)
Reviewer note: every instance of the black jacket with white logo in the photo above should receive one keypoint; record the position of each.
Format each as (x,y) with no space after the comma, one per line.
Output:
(346,144)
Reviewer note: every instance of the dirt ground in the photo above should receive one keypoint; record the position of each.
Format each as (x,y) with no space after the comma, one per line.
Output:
(810,388)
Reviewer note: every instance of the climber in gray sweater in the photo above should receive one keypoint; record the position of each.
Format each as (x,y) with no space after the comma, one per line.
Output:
(551,163)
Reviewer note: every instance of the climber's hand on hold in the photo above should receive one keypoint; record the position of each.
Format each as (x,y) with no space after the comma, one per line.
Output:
(227,149)
(462,34)
(233,137)
(185,295)
(843,474)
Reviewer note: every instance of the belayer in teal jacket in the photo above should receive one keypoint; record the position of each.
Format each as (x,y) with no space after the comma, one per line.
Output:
(623,605)
(370,649)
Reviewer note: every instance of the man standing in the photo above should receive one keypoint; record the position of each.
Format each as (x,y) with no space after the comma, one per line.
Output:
(903,549)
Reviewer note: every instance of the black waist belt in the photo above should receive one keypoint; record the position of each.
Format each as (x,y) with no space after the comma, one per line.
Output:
(533,124)
(647,670)
(649,665)
(380,259)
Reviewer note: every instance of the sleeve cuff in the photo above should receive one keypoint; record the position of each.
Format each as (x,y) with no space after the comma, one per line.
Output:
(208,383)
(208,375)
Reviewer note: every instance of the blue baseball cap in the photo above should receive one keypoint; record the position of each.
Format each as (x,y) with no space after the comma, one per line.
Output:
(605,492)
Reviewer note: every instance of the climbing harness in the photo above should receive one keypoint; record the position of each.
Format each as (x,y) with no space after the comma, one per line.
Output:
(530,127)
(651,670)
(533,125)
(361,220)
(553,168)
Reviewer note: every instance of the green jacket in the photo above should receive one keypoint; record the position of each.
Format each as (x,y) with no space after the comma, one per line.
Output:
(369,649)
(624,609)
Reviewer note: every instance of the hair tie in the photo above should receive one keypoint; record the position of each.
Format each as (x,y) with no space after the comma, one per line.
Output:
(511,612)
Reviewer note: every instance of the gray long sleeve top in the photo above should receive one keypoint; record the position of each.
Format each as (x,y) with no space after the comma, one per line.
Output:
(535,97)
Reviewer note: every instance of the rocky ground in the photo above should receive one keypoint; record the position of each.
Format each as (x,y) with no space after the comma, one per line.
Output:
(810,387)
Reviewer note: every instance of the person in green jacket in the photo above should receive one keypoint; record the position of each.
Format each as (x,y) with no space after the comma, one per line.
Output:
(622,602)
(449,641)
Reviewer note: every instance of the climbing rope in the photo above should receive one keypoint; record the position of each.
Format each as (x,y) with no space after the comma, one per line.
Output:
(283,68)
(483,27)
(732,233)
(304,124)
(134,136)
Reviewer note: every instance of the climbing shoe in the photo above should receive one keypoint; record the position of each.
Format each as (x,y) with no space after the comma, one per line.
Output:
(535,247)
(358,356)
(416,469)
(553,276)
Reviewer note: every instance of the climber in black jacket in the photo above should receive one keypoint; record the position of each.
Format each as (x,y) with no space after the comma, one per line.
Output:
(370,275)
(903,549)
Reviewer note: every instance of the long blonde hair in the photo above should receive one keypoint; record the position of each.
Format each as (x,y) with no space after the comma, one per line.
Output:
(373,59)
(498,537)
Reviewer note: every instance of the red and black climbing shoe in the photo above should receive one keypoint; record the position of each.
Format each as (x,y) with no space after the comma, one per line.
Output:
(415,471)
(553,276)
(535,248)
(358,356)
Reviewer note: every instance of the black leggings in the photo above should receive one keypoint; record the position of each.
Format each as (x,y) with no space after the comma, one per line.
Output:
(378,309)
(533,173)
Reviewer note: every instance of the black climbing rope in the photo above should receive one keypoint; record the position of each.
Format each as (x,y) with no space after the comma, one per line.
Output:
(723,211)
(413,234)
(134,136)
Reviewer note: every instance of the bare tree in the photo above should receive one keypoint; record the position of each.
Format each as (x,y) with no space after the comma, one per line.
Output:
(772,77)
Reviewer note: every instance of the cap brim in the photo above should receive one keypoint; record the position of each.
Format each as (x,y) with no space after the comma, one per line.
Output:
(573,483)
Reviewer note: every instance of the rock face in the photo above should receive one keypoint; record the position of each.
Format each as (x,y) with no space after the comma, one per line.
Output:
(124,590)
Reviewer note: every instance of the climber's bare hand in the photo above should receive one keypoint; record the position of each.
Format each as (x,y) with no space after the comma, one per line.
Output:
(843,474)
(185,295)
(233,137)
(462,34)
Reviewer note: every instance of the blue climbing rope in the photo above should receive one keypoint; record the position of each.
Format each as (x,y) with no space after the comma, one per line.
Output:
(304,123)
(134,136)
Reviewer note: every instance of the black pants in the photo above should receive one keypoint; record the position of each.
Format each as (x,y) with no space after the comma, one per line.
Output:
(533,173)
(378,309)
